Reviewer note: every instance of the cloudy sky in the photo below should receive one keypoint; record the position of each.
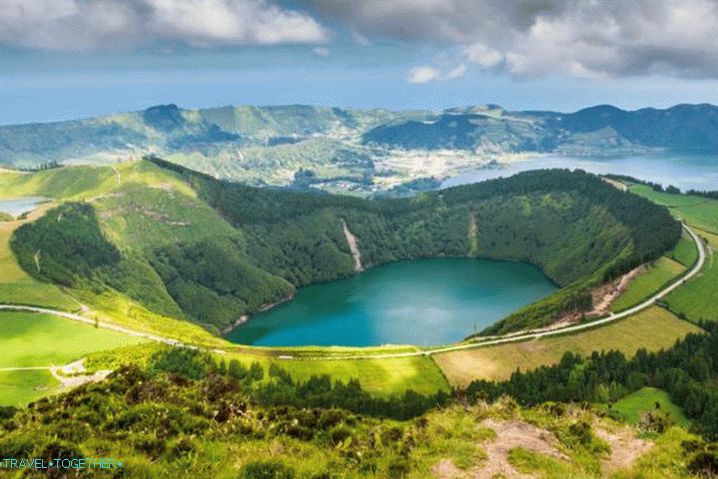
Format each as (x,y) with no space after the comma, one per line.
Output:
(62,59)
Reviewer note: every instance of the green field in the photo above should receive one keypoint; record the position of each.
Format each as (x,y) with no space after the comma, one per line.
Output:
(30,339)
(685,251)
(698,298)
(653,329)
(17,388)
(695,210)
(657,274)
(635,404)
(379,376)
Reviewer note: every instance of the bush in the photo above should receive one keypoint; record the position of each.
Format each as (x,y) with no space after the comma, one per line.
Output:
(189,363)
(266,470)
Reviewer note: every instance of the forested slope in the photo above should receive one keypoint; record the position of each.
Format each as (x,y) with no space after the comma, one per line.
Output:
(260,244)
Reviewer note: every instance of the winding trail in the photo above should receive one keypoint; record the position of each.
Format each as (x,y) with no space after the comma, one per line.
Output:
(491,341)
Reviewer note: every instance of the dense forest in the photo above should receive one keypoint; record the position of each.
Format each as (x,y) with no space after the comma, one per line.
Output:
(688,371)
(577,228)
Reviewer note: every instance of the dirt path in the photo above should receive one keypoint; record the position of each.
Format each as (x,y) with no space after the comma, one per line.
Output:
(353,247)
(69,376)
(511,434)
(626,448)
(607,294)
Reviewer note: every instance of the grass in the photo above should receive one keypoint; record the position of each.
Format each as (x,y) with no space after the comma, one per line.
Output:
(87,182)
(18,287)
(685,251)
(378,376)
(147,218)
(653,329)
(657,274)
(645,399)
(695,210)
(711,238)
(698,299)
(18,388)
(116,308)
(30,339)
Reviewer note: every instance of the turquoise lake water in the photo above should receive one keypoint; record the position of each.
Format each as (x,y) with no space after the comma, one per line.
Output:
(422,302)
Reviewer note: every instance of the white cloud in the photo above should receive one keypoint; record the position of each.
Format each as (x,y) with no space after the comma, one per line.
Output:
(456,72)
(423,74)
(483,56)
(583,38)
(88,24)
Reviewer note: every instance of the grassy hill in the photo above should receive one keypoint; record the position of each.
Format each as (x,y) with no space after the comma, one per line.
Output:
(185,245)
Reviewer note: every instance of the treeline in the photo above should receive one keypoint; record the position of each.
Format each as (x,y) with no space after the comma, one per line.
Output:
(688,372)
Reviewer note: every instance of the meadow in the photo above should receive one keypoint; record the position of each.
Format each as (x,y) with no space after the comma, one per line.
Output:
(657,274)
(17,388)
(634,405)
(698,299)
(653,329)
(695,210)
(31,339)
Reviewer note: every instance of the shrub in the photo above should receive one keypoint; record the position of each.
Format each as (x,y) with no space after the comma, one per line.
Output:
(266,470)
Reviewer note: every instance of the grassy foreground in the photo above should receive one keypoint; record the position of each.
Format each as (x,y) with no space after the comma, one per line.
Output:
(653,329)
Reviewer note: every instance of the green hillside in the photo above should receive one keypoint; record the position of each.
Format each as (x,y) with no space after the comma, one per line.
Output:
(186,245)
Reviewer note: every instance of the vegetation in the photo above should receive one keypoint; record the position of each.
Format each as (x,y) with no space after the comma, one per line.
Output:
(687,372)
(185,415)
(657,274)
(638,406)
(652,329)
(31,339)
(17,287)
(18,388)
(697,300)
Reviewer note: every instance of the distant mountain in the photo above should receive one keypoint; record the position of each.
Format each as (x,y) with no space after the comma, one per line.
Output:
(682,128)
(350,149)
(598,130)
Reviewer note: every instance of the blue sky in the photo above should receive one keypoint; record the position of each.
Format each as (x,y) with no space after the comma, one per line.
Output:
(66,59)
